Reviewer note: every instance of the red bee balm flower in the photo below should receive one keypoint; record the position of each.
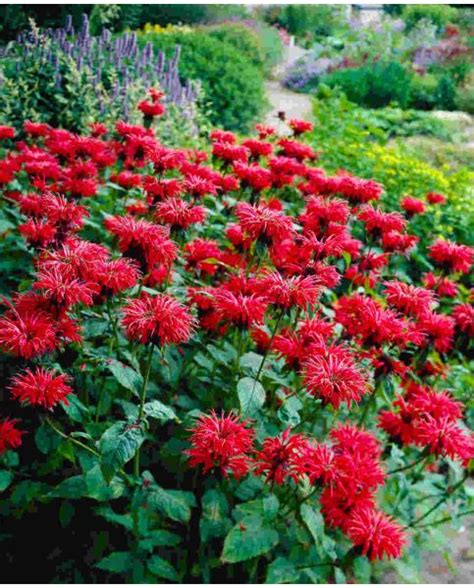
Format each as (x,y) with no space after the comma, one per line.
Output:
(159,319)
(27,334)
(40,387)
(261,221)
(376,533)
(221,442)
(332,374)
(451,256)
(413,206)
(10,436)
(281,457)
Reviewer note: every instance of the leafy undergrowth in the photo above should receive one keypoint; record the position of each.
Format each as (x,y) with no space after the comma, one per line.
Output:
(223,365)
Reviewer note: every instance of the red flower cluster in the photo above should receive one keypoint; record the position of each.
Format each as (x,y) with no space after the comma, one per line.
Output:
(428,419)
(270,252)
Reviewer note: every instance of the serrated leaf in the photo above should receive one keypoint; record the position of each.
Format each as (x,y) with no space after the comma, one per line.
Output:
(118,445)
(125,375)
(214,521)
(117,562)
(161,568)
(248,539)
(158,539)
(251,396)
(175,504)
(75,410)
(251,362)
(6,478)
(157,410)
(73,487)
(281,571)
(46,439)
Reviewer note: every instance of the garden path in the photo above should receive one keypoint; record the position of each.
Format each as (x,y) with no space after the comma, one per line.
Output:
(280,98)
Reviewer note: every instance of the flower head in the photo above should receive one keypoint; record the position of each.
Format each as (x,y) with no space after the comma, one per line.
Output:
(10,436)
(376,533)
(223,442)
(40,387)
(159,319)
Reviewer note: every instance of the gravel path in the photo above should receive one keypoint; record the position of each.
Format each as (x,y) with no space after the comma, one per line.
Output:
(281,99)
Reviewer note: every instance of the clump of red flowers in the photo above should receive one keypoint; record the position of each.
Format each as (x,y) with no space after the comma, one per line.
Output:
(256,265)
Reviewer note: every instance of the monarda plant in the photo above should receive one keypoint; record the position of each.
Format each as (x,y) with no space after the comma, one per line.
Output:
(213,360)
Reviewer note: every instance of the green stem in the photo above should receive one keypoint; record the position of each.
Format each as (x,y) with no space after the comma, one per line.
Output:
(445,519)
(146,377)
(69,438)
(449,492)
(423,457)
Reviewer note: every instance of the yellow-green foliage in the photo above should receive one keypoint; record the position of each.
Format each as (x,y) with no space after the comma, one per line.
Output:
(347,142)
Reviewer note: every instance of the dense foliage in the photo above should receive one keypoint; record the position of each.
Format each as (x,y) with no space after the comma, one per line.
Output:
(14,18)
(231,81)
(344,130)
(423,65)
(69,78)
(224,365)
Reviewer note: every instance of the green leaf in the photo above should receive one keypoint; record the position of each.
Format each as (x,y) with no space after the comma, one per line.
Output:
(46,439)
(281,571)
(214,521)
(118,445)
(75,410)
(124,520)
(125,375)
(74,487)
(161,568)
(251,396)
(158,539)
(314,522)
(361,567)
(248,539)
(288,412)
(157,410)
(250,362)
(117,562)
(175,504)
(97,487)
(6,478)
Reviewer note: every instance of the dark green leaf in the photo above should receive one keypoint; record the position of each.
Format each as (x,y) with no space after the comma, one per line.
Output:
(281,571)
(5,479)
(214,521)
(125,375)
(248,539)
(118,445)
(117,562)
(251,396)
(175,504)
(157,410)
(74,487)
(161,568)
(75,409)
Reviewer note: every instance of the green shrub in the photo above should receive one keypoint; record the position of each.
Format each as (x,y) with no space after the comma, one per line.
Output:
(303,20)
(348,140)
(272,45)
(422,91)
(445,94)
(439,14)
(373,85)
(231,83)
(465,98)
(244,39)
